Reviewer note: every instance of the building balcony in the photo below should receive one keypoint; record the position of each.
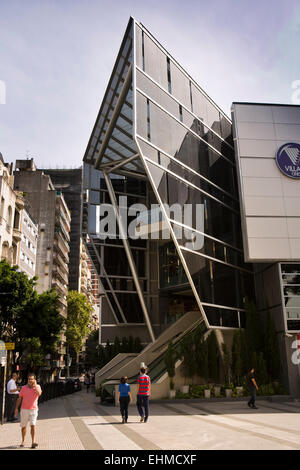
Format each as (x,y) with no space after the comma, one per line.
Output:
(17,235)
(61,247)
(19,200)
(58,260)
(57,271)
(59,286)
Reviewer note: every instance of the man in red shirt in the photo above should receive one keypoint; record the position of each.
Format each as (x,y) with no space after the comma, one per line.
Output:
(29,395)
(143,394)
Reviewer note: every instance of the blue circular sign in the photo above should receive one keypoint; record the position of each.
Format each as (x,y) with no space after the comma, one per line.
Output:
(288,160)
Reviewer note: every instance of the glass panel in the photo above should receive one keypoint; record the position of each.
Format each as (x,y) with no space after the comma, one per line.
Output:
(155,62)
(160,181)
(292,290)
(180,85)
(293,325)
(199,103)
(292,302)
(171,270)
(158,95)
(138,42)
(226,286)
(199,269)
(293,313)
(141,122)
(172,138)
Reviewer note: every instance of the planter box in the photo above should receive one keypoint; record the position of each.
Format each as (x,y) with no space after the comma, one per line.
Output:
(185,389)
(172,393)
(217,391)
(228,392)
(206,393)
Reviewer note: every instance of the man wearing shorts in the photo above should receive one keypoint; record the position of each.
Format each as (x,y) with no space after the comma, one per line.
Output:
(29,394)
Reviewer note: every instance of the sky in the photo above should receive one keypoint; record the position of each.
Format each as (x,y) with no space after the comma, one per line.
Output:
(56,57)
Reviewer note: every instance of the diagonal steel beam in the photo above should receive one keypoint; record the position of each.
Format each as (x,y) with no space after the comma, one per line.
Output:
(128,253)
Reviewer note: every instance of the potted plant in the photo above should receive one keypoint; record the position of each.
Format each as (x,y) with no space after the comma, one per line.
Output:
(172,391)
(217,390)
(228,392)
(170,358)
(207,392)
(239,391)
(187,355)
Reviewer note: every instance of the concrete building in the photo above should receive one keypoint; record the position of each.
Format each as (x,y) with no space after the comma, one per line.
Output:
(49,209)
(69,182)
(11,207)
(28,245)
(267,149)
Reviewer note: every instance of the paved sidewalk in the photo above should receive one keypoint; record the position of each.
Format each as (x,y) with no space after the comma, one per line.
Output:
(79,422)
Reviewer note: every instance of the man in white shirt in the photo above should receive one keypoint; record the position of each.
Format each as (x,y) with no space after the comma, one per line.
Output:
(12,396)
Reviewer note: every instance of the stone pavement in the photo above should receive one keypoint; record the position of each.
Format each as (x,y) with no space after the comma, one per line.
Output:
(79,422)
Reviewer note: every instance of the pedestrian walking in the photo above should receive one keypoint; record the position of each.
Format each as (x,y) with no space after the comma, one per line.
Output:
(143,394)
(29,395)
(87,381)
(12,397)
(124,398)
(253,388)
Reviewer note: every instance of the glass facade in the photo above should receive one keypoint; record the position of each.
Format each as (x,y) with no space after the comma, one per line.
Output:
(290,279)
(161,140)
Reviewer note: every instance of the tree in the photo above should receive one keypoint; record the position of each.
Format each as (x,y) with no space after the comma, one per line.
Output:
(33,354)
(237,359)
(187,353)
(201,355)
(253,331)
(116,347)
(170,358)
(78,318)
(271,348)
(227,364)
(41,319)
(213,356)
(137,345)
(16,291)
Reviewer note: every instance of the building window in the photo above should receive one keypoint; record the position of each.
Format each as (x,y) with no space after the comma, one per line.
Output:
(169,75)
(148,120)
(143,50)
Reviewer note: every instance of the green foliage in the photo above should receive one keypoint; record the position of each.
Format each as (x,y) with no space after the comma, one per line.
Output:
(201,356)
(170,359)
(16,293)
(238,366)
(78,318)
(271,348)
(227,359)
(213,356)
(187,354)
(41,319)
(116,346)
(33,354)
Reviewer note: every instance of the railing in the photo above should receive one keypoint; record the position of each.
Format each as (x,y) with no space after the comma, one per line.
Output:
(59,389)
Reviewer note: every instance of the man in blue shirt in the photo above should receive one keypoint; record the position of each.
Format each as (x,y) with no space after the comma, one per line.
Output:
(124,398)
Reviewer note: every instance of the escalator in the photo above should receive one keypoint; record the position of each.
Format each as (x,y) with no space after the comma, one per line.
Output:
(152,356)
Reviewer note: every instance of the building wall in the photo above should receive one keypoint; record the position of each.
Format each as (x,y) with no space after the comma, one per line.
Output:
(270,200)
(28,245)
(11,207)
(69,182)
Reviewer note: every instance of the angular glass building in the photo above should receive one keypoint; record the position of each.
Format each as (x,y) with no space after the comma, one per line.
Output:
(162,147)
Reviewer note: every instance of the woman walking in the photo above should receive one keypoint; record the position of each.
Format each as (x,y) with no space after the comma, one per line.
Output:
(124,398)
